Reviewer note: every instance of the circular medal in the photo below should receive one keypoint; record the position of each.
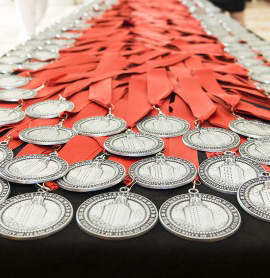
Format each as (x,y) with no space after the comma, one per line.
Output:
(19,53)
(14,95)
(257,150)
(35,168)
(12,60)
(199,217)
(228,172)
(49,108)
(163,126)
(62,43)
(92,175)
(51,47)
(247,62)
(26,47)
(253,129)
(80,26)
(253,197)
(13,81)
(4,190)
(6,153)
(163,172)
(263,77)
(34,42)
(69,35)
(100,126)
(134,144)
(47,135)
(33,65)
(34,215)
(259,69)
(8,68)
(211,139)
(10,116)
(44,55)
(117,215)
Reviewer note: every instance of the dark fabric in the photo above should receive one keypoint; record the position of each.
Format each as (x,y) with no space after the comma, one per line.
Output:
(230,5)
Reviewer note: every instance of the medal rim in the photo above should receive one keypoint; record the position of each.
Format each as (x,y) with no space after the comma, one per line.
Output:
(21,116)
(142,129)
(32,92)
(9,153)
(6,190)
(93,187)
(213,185)
(25,79)
(185,197)
(85,205)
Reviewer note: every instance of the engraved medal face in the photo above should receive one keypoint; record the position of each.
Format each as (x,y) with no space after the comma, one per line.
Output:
(199,217)
(254,197)
(34,215)
(4,190)
(92,175)
(34,168)
(62,43)
(8,68)
(10,116)
(6,153)
(117,215)
(254,129)
(100,126)
(33,65)
(211,139)
(15,94)
(133,144)
(47,135)
(263,77)
(163,126)
(44,55)
(12,81)
(228,172)
(257,150)
(163,172)
(12,60)
(49,108)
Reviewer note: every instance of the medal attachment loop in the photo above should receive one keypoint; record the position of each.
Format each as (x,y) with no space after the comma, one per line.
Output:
(194,190)
(5,142)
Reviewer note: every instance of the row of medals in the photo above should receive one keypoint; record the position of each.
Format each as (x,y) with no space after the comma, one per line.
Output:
(120,215)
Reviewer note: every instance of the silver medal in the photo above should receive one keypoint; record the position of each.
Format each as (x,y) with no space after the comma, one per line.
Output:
(51,47)
(47,135)
(250,128)
(4,190)
(15,94)
(49,108)
(163,126)
(100,126)
(35,168)
(263,77)
(6,153)
(228,172)
(254,197)
(163,172)
(117,215)
(211,139)
(199,217)
(44,55)
(257,150)
(12,60)
(11,115)
(7,68)
(13,81)
(34,215)
(134,144)
(62,43)
(69,35)
(92,175)
(19,53)
(33,65)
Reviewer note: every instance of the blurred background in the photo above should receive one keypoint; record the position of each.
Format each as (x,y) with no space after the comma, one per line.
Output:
(257,19)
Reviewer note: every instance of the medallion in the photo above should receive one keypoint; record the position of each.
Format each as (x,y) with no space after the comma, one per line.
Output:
(199,217)
(8,68)
(16,94)
(11,115)
(92,175)
(256,150)
(211,139)
(19,53)
(247,62)
(100,126)
(263,77)
(51,47)
(254,197)
(44,55)
(62,43)
(34,215)
(35,168)
(34,42)
(117,215)
(49,108)
(13,81)
(163,172)
(33,65)
(6,153)
(47,135)
(163,126)
(11,60)
(69,35)
(134,144)
(4,190)
(228,172)
(250,128)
